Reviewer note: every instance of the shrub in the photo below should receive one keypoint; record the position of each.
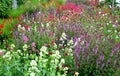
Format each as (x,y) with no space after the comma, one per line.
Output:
(5,6)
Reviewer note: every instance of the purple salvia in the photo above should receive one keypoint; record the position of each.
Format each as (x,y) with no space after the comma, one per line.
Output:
(96,50)
(102,65)
(101,58)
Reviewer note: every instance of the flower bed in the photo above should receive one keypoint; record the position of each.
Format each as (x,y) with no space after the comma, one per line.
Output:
(66,41)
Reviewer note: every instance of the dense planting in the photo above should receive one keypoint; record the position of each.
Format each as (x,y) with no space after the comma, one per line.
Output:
(66,40)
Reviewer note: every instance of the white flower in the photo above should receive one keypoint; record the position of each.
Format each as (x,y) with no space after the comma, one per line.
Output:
(66,68)
(70,43)
(32,74)
(35,68)
(64,35)
(62,61)
(109,30)
(43,49)
(23,28)
(19,51)
(42,25)
(76,73)
(33,63)
(47,25)
(41,54)
(57,52)
(114,25)
(19,26)
(56,61)
(7,55)
(25,47)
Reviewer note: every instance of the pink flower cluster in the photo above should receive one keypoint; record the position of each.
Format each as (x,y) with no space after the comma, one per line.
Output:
(72,7)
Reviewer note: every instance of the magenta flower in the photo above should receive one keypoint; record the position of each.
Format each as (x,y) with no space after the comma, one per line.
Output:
(25,39)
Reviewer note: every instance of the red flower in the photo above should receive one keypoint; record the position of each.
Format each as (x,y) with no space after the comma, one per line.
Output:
(26,26)
(11,17)
(52,42)
(1,26)
(1,32)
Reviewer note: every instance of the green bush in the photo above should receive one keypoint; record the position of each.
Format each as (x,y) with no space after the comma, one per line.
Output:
(5,6)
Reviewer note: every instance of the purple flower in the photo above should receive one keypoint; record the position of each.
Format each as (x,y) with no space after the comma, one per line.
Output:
(25,39)
(101,58)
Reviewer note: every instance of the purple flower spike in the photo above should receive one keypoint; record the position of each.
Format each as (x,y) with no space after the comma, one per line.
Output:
(101,58)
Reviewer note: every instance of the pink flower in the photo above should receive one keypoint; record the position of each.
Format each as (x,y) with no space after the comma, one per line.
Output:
(25,39)
(33,44)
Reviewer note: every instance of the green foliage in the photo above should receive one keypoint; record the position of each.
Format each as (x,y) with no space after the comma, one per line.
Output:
(19,2)
(5,6)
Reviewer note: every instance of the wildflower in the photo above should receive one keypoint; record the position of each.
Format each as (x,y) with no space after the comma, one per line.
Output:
(25,39)
(1,52)
(62,61)
(35,68)
(64,36)
(1,32)
(43,49)
(66,68)
(33,63)
(101,58)
(32,74)
(33,44)
(66,54)
(26,26)
(25,47)
(1,26)
(11,17)
(76,73)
